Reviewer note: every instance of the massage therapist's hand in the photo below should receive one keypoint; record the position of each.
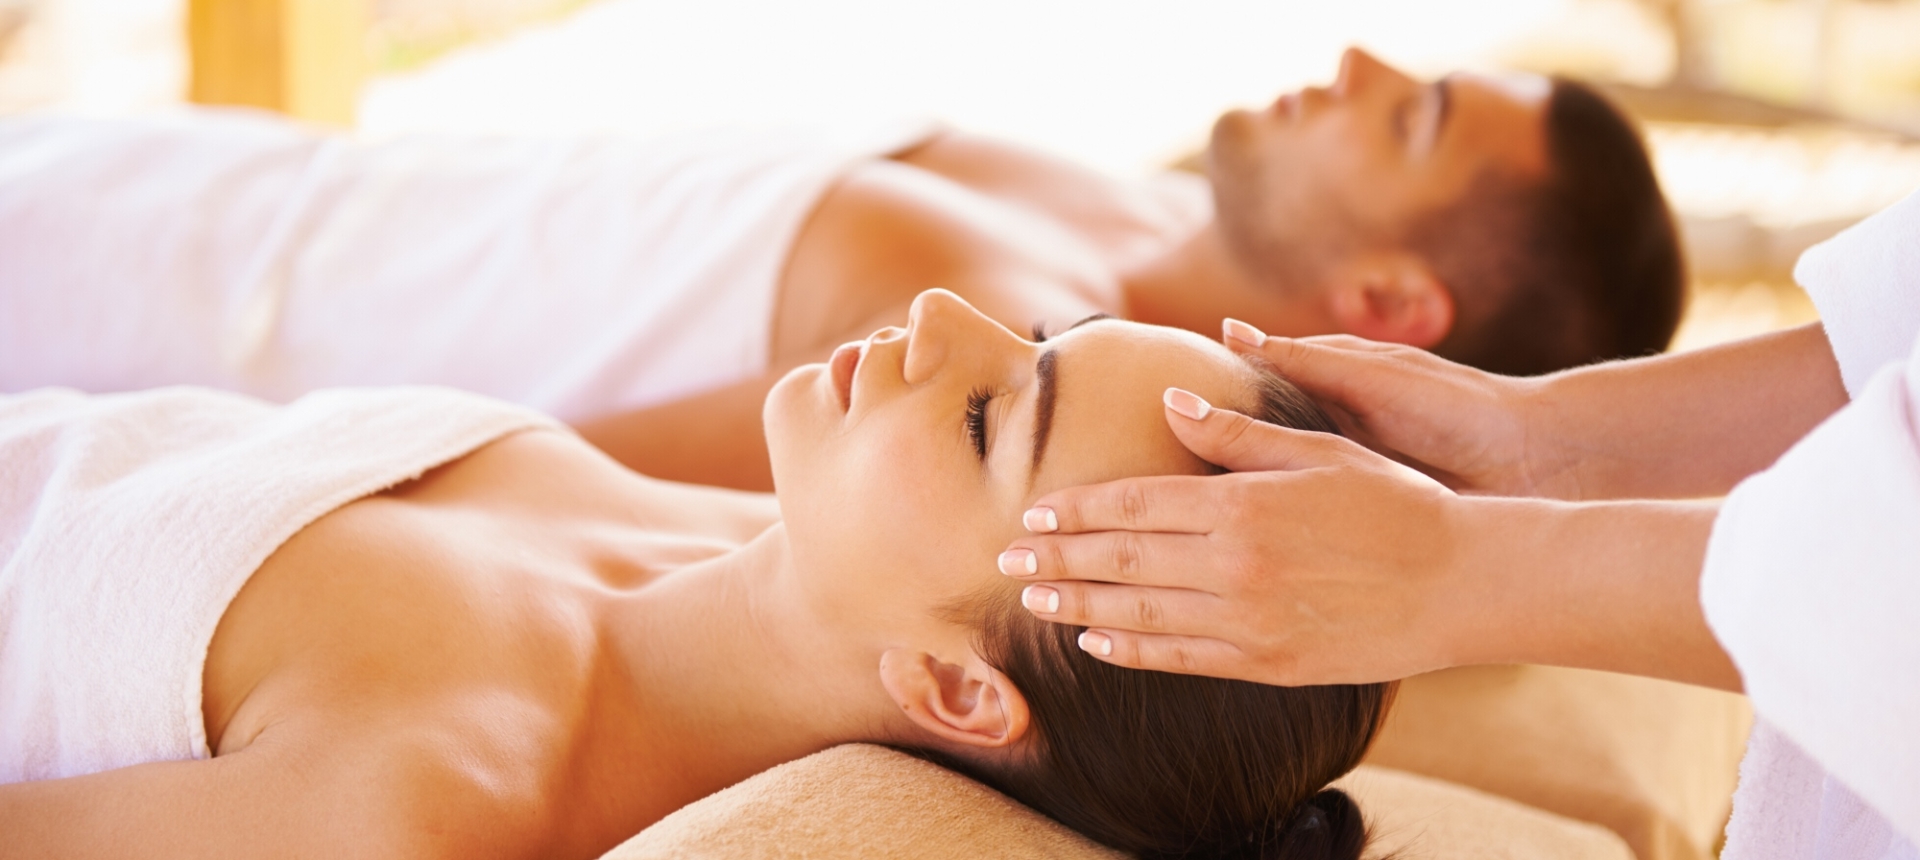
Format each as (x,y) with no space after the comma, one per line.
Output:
(1469,429)
(1317,561)
(1320,562)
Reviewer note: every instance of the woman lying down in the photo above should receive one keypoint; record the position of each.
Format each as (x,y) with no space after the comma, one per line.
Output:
(416,623)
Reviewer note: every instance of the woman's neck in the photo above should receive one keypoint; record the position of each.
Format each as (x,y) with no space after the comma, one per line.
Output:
(733,676)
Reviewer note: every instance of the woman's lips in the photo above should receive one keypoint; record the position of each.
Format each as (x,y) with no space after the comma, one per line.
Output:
(840,368)
(1287,106)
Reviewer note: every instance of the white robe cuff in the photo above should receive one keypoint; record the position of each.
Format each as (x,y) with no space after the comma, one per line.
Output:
(1812,584)
(1866,283)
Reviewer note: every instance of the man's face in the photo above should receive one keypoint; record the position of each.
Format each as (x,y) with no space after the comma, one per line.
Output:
(1325,174)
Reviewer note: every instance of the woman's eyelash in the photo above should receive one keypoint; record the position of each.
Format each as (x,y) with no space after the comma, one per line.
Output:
(1040,332)
(1402,118)
(977,419)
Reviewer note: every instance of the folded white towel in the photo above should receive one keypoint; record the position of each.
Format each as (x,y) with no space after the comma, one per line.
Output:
(129,522)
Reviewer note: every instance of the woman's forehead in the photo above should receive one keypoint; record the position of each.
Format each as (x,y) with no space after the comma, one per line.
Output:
(1109,422)
(1120,335)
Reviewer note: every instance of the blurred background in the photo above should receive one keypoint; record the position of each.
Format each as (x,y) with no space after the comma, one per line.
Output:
(1774,123)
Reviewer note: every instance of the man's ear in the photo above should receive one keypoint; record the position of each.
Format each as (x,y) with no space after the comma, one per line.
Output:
(972,704)
(1392,297)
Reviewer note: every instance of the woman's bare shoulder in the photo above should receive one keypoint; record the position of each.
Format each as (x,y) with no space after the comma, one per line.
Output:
(354,793)
(557,473)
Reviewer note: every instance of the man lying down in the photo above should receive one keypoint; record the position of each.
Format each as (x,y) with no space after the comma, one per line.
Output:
(651,292)
(414,622)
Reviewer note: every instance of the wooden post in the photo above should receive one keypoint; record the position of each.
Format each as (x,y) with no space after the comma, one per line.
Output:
(303,58)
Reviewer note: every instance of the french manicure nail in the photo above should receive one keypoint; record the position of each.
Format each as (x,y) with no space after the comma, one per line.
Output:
(1096,643)
(1019,562)
(1237,330)
(1040,520)
(1186,403)
(1039,598)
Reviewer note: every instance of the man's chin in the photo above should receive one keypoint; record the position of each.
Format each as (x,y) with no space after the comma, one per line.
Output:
(1230,145)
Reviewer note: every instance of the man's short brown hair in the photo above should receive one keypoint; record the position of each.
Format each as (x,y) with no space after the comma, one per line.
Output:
(1576,267)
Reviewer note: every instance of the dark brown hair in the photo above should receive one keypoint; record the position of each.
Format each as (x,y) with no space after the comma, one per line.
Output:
(1180,766)
(1580,266)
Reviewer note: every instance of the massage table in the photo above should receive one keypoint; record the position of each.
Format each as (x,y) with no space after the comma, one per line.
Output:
(1496,762)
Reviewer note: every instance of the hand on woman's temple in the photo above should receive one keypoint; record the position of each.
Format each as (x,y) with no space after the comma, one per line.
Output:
(1317,561)
(1274,574)
(1467,428)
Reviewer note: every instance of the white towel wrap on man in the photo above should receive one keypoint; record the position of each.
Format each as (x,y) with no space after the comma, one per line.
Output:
(580,276)
(128,523)
(1812,579)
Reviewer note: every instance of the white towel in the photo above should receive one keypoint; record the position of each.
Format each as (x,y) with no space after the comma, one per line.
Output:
(129,522)
(1812,579)
(579,276)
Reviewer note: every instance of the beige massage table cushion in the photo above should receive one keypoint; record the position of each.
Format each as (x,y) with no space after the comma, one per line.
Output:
(860,801)
(1654,762)
(1600,766)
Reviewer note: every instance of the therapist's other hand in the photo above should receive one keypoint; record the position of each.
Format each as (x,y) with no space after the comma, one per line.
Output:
(1316,562)
(1471,430)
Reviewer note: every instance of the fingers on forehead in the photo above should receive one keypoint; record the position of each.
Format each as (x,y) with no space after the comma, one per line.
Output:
(1166,503)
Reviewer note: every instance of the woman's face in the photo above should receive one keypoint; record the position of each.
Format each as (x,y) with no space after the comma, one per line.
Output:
(903,464)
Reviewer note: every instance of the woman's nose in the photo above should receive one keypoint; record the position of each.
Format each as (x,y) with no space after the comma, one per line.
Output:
(1358,71)
(942,327)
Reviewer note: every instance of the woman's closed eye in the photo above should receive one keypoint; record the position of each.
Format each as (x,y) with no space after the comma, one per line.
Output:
(977,402)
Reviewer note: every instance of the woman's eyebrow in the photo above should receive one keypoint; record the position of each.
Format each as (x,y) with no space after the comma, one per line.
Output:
(1084,320)
(1047,372)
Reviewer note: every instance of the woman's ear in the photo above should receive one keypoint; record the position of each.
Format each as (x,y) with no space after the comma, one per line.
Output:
(971,704)
(1393,297)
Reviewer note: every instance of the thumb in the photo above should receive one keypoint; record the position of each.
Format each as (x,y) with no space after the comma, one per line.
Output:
(1233,441)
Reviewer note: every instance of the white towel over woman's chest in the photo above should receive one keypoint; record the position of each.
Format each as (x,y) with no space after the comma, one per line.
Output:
(129,522)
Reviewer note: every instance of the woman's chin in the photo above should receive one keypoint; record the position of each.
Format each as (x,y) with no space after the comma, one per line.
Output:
(797,411)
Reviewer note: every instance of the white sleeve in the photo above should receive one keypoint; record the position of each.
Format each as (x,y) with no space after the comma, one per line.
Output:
(1812,576)
(1866,283)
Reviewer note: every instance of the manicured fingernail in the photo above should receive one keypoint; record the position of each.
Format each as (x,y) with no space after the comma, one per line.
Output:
(1096,643)
(1237,330)
(1019,562)
(1186,403)
(1040,520)
(1039,598)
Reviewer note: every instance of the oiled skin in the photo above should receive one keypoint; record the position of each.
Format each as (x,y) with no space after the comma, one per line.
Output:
(426,673)
(1022,236)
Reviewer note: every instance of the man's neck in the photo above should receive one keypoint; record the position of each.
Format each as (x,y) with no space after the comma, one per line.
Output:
(1199,281)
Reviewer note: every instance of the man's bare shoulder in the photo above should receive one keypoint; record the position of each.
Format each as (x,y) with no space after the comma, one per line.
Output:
(1169,206)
